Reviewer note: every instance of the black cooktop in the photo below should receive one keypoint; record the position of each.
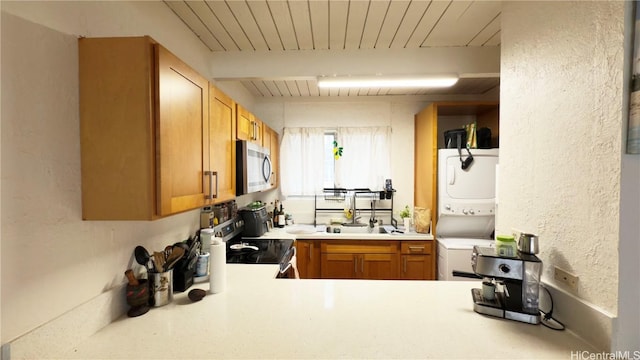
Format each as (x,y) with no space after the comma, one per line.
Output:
(253,251)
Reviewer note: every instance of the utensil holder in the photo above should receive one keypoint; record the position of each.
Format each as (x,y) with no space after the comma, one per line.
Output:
(161,288)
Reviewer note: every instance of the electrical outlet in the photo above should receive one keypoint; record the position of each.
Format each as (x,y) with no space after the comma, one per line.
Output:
(5,351)
(568,279)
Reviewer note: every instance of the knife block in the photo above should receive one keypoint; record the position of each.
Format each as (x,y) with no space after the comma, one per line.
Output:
(183,274)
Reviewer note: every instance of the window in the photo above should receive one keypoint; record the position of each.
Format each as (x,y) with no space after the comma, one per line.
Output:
(307,162)
(329,160)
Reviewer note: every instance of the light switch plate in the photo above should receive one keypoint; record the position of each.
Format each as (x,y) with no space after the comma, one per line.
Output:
(564,277)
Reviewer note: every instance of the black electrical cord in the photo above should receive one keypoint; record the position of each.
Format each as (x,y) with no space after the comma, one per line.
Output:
(548,319)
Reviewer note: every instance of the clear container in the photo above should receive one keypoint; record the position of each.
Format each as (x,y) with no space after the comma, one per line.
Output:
(506,246)
(206,237)
(531,286)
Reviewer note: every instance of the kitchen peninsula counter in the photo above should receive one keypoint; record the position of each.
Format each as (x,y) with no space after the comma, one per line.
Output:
(259,317)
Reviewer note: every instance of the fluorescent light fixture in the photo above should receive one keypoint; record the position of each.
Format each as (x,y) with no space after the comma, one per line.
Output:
(403,81)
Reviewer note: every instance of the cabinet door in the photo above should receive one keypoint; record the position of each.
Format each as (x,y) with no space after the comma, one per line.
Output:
(308,256)
(244,124)
(426,160)
(378,266)
(257,131)
(117,128)
(416,267)
(270,141)
(182,132)
(338,266)
(222,147)
(275,158)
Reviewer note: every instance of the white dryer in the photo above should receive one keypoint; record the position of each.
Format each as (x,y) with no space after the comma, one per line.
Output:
(466,207)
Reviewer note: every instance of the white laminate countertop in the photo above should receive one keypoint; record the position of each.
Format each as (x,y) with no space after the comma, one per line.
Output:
(301,232)
(259,317)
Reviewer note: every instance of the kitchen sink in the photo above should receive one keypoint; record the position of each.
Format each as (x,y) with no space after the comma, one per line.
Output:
(360,229)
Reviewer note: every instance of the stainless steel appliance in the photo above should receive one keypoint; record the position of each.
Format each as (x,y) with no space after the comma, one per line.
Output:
(246,250)
(519,277)
(253,167)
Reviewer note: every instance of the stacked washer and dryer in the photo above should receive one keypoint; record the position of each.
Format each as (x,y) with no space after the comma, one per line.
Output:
(466,208)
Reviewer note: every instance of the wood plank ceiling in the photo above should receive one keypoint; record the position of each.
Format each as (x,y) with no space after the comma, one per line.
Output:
(297,25)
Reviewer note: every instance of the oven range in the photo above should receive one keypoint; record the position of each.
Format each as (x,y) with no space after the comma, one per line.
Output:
(251,250)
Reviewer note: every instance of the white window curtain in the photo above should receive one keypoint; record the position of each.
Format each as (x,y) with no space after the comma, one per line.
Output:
(301,159)
(366,158)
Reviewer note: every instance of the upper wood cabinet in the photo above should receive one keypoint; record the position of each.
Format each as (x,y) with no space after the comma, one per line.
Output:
(248,126)
(222,145)
(144,127)
(430,124)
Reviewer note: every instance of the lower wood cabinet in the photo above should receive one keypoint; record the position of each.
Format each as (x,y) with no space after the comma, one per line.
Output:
(365,259)
(359,259)
(308,256)
(416,261)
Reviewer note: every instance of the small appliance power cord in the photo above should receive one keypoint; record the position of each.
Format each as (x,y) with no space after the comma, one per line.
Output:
(547,319)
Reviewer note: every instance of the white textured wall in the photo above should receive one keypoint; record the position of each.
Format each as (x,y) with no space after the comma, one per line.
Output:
(52,261)
(560,134)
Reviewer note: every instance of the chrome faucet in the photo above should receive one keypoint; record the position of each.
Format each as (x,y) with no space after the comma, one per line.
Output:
(372,219)
(354,219)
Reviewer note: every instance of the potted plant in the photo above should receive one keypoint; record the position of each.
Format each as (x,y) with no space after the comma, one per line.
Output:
(405,214)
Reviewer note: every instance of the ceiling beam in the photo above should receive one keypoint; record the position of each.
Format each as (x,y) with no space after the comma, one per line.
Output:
(305,64)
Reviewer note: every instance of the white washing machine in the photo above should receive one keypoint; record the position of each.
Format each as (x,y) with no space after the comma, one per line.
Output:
(466,208)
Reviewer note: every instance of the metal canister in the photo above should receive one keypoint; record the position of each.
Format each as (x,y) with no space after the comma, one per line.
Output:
(528,243)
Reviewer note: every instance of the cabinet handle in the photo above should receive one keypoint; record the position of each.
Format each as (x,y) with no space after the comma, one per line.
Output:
(310,251)
(362,265)
(416,248)
(210,194)
(404,264)
(215,173)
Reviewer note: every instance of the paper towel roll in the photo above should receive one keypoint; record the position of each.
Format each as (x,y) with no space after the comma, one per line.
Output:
(218,267)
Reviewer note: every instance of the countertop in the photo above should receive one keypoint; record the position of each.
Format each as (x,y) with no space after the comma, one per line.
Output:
(259,317)
(306,232)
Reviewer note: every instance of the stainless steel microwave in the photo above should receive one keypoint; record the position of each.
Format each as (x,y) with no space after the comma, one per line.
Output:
(253,167)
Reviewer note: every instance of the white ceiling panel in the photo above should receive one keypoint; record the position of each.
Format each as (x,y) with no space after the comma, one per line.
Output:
(357,16)
(427,23)
(302,24)
(373,24)
(338,14)
(184,12)
(244,17)
(266,23)
(279,11)
(415,12)
(230,23)
(321,26)
(319,11)
(392,20)
(212,24)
